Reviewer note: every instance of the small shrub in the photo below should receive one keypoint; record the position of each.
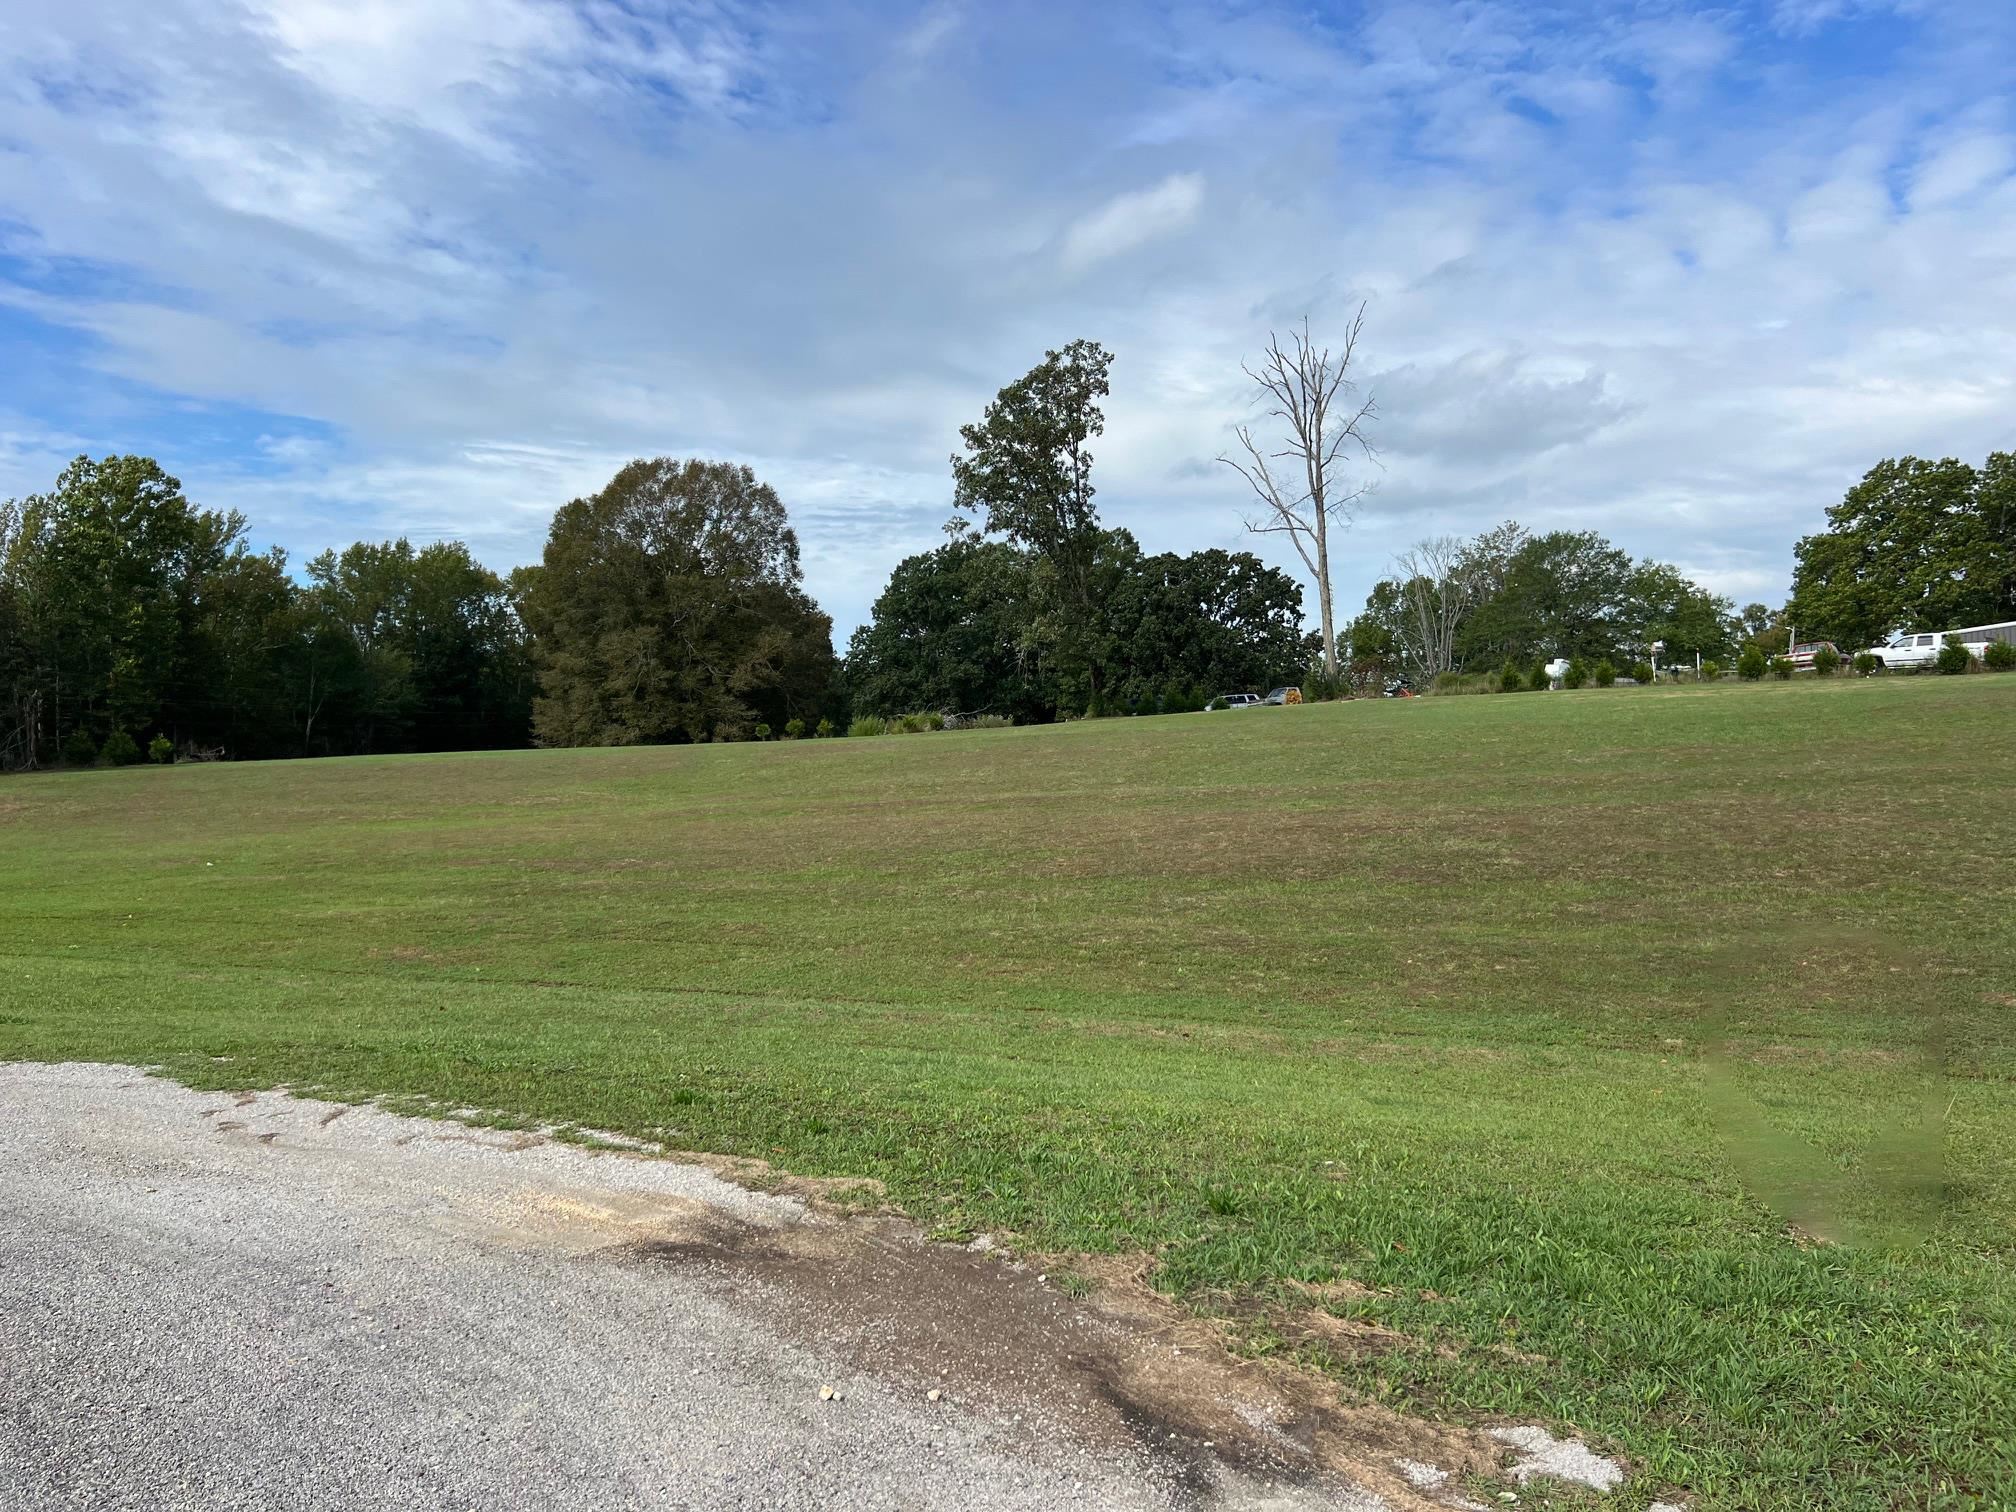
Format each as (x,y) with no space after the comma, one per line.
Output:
(1641,672)
(1953,660)
(1826,661)
(1750,665)
(869,724)
(1605,674)
(1781,668)
(118,750)
(1217,703)
(824,730)
(762,732)
(1448,682)
(794,729)
(1999,657)
(1866,663)
(934,720)
(1509,679)
(1710,670)
(1537,680)
(80,749)
(161,750)
(988,722)
(1577,673)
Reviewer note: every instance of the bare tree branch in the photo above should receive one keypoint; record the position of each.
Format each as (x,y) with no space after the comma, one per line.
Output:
(1313,396)
(1439,579)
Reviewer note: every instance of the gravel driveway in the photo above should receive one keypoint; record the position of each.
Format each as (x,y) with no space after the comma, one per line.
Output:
(222,1301)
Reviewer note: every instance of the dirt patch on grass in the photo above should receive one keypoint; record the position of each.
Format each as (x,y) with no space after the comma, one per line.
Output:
(1342,1289)
(1125,1369)
(1350,1336)
(834,1195)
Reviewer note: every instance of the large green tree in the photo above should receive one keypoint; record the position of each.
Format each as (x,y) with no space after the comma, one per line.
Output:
(1026,472)
(953,630)
(1223,621)
(1915,545)
(669,607)
(1666,605)
(1566,593)
(121,557)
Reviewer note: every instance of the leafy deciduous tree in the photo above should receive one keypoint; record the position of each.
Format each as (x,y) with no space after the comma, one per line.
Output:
(952,631)
(668,607)
(1915,545)
(1225,620)
(1027,473)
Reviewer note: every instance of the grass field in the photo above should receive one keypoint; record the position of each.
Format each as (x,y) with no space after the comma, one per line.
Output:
(1649,1054)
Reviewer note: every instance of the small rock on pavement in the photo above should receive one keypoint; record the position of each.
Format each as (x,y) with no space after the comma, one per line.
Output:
(828,1394)
(933,1394)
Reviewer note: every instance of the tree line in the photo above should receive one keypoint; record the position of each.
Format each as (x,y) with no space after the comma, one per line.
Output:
(1510,598)
(979,627)
(129,616)
(669,606)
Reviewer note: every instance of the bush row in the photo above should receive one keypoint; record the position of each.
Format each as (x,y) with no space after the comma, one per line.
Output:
(120,749)
(1512,678)
(918,724)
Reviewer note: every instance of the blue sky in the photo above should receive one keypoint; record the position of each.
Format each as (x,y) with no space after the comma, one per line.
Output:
(360,268)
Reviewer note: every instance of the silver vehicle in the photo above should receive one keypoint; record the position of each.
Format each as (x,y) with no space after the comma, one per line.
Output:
(1235,701)
(1280,695)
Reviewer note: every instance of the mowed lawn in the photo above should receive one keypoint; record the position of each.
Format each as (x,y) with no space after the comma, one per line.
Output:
(1650,1055)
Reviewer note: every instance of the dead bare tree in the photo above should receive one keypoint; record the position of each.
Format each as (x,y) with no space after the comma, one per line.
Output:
(1316,400)
(1438,578)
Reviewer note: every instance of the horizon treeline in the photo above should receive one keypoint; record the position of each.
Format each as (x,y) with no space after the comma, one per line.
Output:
(670,607)
(128,614)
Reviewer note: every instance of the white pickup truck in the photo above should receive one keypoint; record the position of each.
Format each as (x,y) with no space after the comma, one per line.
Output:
(1908,651)
(1913,649)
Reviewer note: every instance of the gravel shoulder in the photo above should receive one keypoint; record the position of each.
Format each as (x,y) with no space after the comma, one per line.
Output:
(257,1301)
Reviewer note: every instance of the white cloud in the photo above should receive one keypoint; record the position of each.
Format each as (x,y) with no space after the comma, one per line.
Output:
(1133,219)
(1802,17)
(1960,167)
(934,27)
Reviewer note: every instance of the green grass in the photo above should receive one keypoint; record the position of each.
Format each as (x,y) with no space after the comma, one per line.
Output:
(1566,1023)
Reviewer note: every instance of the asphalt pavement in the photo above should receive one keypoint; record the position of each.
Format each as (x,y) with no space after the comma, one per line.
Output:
(220,1301)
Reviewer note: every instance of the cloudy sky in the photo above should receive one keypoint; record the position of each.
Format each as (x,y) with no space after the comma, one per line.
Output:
(1678,272)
